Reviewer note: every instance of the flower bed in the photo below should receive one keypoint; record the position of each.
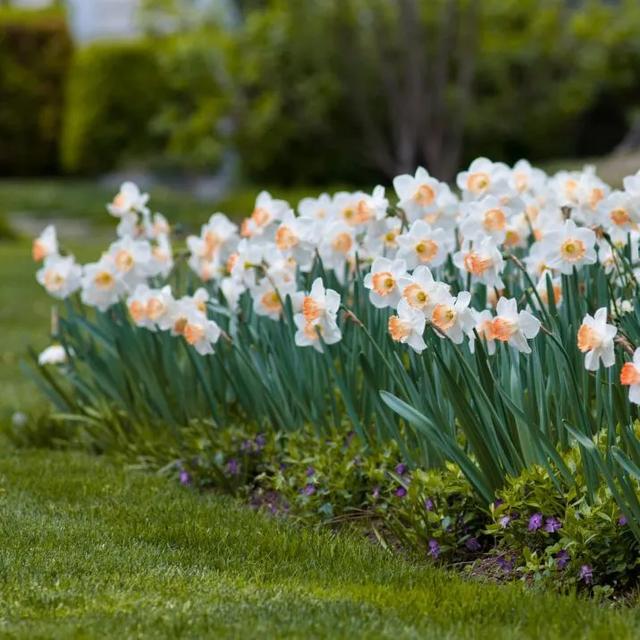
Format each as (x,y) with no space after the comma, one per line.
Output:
(492,331)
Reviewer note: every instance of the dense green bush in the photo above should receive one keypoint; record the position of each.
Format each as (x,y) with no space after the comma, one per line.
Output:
(314,84)
(114,92)
(35,51)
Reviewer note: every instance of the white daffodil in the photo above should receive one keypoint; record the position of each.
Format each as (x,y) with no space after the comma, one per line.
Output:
(408,326)
(570,246)
(417,194)
(337,247)
(102,284)
(320,209)
(483,177)
(161,263)
(421,291)
(267,210)
(383,280)
(619,214)
(60,276)
(630,376)
(55,354)
(313,334)
(514,327)
(200,332)
(128,200)
(138,305)
(424,245)
(132,260)
(160,305)
(267,300)
(482,260)
(486,217)
(359,208)
(526,179)
(232,289)
(321,304)
(45,245)
(452,316)
(381,238)
(296,237)
(595,340)
(482,325)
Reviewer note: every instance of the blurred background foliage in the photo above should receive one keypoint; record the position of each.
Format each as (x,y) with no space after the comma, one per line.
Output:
(292,92)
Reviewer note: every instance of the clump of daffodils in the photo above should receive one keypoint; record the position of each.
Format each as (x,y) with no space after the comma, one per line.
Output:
(431,258)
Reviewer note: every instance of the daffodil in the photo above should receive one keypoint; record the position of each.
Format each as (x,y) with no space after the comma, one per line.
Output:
(383,282)
(60,276)
(595,340)
(45,245)
(407,327)
(424,245)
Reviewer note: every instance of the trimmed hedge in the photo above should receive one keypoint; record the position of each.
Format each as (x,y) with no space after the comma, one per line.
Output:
(35,52)
(114,91)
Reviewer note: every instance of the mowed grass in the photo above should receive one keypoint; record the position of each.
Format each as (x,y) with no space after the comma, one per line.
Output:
(90,550)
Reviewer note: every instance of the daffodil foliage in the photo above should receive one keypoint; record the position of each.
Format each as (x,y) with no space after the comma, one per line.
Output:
(492,326)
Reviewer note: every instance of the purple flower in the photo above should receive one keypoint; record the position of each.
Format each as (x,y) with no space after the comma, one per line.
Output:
(233,467)
(260,441)
(400,492)
(309,472)
(586,574)
(622,521)
(185,478)
(401,468)
(504,521)
(428,504)
(308,490)
(562,558)
(498,502)
(472,544)
(505,563)
(434,548)
(375,493)
(552,525)
(535,522)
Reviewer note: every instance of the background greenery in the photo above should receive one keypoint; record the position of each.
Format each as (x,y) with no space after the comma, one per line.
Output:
(292,92)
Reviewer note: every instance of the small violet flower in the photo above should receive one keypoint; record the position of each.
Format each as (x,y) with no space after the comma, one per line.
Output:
(472,544)
(401,469)
(185,478)
(233,467)
(504,521)
(308,490)
(535,522)
(562,558)
(434,548)
(400,492)
(310,471)
(552,525)
(586,574)
(428,504)
(622,521)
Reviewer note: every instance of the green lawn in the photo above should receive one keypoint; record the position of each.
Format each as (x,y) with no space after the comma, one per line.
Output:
(85,199)
(90,550)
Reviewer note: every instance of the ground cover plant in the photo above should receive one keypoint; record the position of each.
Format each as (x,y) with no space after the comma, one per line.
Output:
(493,329)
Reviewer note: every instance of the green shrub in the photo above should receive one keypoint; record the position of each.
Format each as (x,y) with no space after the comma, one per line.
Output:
(35,51)
(114,92)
